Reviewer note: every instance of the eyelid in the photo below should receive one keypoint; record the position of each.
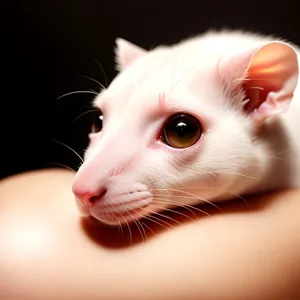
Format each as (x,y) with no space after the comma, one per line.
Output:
(171,114)
(100,116)
(204,115)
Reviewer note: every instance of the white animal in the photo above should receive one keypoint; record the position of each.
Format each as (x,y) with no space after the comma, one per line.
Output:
(206,119)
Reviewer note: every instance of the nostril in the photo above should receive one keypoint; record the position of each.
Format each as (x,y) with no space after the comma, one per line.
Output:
(98,197)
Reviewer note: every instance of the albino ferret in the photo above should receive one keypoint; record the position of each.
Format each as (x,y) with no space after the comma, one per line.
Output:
(204,120)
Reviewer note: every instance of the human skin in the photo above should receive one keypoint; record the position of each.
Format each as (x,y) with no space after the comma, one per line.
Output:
(47,251)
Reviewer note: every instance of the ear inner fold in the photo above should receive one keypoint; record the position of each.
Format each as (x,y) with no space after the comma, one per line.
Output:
(271,80)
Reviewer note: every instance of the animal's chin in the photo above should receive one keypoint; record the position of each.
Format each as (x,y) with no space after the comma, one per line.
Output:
(117,213)
(121,217)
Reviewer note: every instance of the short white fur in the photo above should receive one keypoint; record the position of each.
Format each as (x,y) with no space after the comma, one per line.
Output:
(240,152)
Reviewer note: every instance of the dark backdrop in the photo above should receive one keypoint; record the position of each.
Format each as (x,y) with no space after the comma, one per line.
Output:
(47,45)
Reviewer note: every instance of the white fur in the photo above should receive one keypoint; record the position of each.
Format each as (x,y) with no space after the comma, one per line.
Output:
(232,158)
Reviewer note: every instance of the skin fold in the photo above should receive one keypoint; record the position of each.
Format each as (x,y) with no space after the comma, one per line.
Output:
(240,251)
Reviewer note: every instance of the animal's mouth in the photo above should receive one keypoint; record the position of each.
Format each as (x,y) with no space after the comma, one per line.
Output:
(118,209)
(118,215)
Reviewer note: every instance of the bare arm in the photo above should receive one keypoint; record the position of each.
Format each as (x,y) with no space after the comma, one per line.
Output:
(47,252)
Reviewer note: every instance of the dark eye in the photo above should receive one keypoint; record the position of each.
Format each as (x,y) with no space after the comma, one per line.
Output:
(181,131)
(98,122)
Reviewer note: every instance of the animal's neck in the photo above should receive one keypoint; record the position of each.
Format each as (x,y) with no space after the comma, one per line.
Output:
(282,152)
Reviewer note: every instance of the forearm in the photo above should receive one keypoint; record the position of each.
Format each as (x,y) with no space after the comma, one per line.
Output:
(48,252)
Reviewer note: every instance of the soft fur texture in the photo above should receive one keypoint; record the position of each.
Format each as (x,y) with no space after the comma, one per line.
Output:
(242,88)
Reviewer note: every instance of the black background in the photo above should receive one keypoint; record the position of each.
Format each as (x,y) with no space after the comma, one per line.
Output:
(47,45)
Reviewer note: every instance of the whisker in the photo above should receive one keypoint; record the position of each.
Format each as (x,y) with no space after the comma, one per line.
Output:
(77,92)
(103,72)
(94,80)
(138,227)
(184,75)
(142,216)
(281,152)
(162,200)
(200,172)
(178,204)
(248,79)
(129,230)
(173,211)
(156,222)
(204,188)
(86,112)
(71,149)
(144,232)
(63,165)
(141,223)
(220,172)
(237,174)
(187,193)
(256,87)
(167,217)
(152,216)
(119,228)
(147,227)
(218,189)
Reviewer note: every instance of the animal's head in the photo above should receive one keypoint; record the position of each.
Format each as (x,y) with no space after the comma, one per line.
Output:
(173,130)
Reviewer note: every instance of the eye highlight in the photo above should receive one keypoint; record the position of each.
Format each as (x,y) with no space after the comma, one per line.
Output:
(181,131)
(98,122)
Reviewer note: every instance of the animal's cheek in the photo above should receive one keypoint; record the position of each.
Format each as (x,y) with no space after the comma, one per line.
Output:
(89,150)
(155,168)
(93,137)
(180,157)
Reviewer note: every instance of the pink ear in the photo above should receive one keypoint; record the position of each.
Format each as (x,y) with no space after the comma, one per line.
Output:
(269,78)
(126,53)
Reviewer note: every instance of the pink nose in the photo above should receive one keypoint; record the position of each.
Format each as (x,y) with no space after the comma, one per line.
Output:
(88,198)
